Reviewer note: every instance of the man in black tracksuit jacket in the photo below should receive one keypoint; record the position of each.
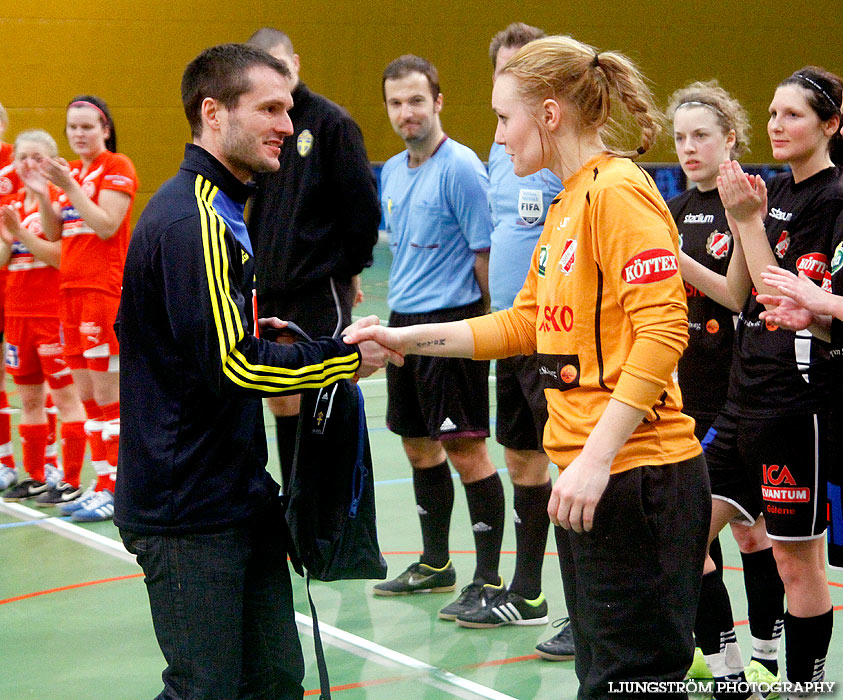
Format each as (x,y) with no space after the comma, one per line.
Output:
(313,223)
(193,499)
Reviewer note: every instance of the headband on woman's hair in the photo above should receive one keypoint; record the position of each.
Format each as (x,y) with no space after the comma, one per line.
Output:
(819,89)
(85,103)
(698,103)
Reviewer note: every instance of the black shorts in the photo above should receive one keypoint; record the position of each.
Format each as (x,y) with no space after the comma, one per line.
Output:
(438,397)
(521,404)
(775,467)
(320,309)
(632,584)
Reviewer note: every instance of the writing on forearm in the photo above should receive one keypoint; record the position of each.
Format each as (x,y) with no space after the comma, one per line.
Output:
(429,343)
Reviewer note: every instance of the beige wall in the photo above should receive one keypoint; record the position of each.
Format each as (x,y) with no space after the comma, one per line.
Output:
(132,53)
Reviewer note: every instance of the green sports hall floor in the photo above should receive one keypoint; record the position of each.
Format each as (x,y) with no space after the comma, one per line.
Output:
(74,621)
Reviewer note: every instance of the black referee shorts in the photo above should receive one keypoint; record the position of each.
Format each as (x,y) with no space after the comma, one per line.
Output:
(438,397)
(521,404)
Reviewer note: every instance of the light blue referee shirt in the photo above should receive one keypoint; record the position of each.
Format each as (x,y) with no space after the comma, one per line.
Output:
(437,217)
(519,206)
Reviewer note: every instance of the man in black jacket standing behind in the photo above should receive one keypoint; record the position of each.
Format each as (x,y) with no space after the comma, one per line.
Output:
(313,224)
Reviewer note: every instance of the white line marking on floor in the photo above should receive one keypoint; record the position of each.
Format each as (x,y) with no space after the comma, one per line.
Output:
(431,674)
(69,531)
(449,682)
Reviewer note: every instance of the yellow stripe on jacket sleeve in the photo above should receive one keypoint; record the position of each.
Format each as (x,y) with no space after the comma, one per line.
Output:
(228,324)
(226,315)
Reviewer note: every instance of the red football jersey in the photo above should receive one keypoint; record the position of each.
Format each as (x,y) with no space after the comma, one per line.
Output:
(32,286)
(87,261)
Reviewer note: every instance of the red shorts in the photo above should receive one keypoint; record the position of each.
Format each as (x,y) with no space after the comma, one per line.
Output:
(87,321)
(34,352)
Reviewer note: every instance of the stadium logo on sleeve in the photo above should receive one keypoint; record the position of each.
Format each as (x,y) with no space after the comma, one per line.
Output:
(718,244)
(813,265)
(304,142)
(544,253)
(782,245)
(6,186)
(566,262)
(650,266)
(530,206)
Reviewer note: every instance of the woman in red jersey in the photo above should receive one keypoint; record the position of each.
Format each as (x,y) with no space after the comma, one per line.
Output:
(94,211)
(34,350)
(9,184)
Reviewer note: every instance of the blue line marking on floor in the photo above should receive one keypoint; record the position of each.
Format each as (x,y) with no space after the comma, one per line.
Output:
(23,523)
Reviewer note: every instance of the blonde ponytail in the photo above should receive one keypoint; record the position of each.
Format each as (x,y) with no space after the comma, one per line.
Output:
(565,69)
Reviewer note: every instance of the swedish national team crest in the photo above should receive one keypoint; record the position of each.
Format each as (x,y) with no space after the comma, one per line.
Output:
(304,143)
(530,206)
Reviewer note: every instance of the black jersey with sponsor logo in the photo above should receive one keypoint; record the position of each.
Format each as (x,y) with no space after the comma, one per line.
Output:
(704,367)
(776,371)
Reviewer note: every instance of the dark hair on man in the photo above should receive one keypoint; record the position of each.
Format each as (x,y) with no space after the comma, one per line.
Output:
(516,34)
(267,38)
(104,114)
(222,73)
(402,66)
(825,95)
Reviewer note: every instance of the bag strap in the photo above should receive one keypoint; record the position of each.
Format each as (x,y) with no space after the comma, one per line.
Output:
(324,681)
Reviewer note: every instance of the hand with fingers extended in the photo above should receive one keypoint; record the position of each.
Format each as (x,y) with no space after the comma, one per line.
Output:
(744,196)
(10,224)
(804,292)
(369,329)
(57,171)
(373,354)
(33,178)
(576,493)
(784,312)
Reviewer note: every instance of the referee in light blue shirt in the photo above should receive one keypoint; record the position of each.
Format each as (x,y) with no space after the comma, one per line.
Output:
(437,218)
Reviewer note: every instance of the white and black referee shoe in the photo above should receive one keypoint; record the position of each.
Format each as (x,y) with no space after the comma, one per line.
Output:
(506,608)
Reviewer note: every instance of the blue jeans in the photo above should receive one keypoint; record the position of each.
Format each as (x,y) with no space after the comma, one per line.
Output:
(222,608)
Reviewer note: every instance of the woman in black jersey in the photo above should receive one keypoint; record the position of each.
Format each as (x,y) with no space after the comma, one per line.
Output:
(805,305)
(774,422)
(710,127)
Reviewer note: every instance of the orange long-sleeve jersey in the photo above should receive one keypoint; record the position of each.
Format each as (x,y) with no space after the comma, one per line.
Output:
(604,307)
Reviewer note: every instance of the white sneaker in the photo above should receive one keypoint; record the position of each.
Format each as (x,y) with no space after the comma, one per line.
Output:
(8,477)
(100,507)
(53,475)
(81,502)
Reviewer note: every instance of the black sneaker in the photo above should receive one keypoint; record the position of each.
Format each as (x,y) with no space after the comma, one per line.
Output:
(506,608)
(560,647)
(28,488)
(57,495)
(420,578)
(471,597)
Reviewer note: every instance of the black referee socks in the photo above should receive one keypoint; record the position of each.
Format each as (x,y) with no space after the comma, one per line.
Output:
(486,507)
(434,491)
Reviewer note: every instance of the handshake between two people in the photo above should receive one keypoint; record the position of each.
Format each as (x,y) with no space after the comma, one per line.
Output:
(378,344)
